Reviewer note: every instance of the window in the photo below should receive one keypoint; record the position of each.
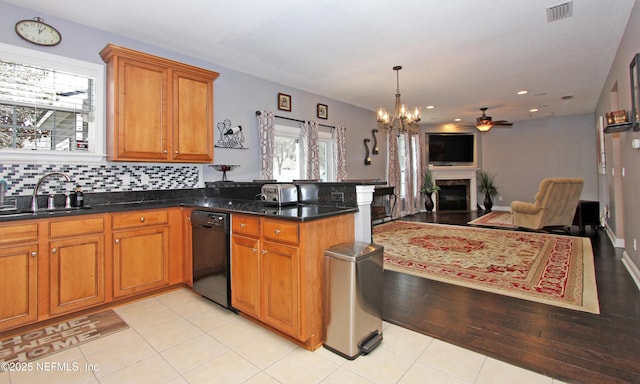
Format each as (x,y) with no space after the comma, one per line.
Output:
(49,105)
(289,159)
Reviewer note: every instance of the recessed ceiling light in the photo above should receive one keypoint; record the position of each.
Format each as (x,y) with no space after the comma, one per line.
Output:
(523,92)
(533,110)
(457,119)
(430,106)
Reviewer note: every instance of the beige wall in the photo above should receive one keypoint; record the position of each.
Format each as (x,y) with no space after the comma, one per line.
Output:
(521,156)
(621,183)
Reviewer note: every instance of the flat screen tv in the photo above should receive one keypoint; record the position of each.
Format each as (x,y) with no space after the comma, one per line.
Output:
(451,148)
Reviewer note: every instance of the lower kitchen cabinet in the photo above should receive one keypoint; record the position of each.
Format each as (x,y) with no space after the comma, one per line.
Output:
(281,288)
(277,271)
(245,274)
(57,266)
(140,251)
(76,264)
(18,274)
(18,285)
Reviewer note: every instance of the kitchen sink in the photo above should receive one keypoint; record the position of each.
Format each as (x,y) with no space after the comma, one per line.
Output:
(20,213)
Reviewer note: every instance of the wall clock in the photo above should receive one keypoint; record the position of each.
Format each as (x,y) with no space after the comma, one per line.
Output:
(38,32)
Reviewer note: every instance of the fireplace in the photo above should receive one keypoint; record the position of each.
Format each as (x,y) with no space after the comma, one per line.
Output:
(454,195)
(457,176)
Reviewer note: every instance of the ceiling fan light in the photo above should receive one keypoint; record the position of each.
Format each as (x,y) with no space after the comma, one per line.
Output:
(484,127)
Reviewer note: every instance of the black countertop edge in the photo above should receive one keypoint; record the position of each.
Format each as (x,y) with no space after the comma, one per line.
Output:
(297,212)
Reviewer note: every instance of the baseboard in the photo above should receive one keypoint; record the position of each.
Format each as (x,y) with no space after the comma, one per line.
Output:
(615,241)
(632,268)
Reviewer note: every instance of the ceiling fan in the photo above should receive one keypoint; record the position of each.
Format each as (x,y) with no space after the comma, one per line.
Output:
(484,122)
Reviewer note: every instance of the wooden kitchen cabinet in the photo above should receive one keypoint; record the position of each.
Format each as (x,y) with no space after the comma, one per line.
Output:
(158,110)
(245,274)
(281,288)
(18,274)
(277,271)
(140,251)
(76,264)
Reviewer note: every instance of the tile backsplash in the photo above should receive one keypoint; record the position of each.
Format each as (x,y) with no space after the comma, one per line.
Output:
(109,177)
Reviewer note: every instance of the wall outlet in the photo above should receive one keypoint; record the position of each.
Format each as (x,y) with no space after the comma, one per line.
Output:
(337,197)
(144,179)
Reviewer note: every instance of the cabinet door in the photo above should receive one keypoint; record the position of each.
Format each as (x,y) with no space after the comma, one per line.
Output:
(76,273)
(140,260)
(281,287)
(18,285)
(245,275)
(192,117)
(141,117)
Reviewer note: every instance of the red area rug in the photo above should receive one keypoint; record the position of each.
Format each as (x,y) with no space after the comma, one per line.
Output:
(550,269)
(498,219)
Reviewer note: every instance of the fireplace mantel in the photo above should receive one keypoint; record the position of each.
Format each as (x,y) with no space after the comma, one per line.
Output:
(459,173)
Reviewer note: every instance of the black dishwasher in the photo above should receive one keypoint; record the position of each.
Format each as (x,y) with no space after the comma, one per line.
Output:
(211,266)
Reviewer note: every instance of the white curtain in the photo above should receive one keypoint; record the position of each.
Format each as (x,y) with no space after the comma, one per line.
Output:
(340,152)
(311,149)
(266,124)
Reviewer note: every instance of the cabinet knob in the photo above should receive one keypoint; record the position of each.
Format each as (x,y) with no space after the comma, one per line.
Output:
(54,250)
(117,241)
(165,152)
(242,225)
(142,219)
(264,252)
(34,254)
(254,250)
(176,152)
(277,231)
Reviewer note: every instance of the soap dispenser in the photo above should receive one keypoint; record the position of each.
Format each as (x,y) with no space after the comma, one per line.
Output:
(77,198)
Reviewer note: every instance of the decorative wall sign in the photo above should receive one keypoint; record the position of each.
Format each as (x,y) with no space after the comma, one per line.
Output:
(322,111)
(367,159)
(284,102)
(230,136)
(375,149)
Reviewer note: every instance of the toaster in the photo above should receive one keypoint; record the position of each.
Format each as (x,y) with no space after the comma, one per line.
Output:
(280,194)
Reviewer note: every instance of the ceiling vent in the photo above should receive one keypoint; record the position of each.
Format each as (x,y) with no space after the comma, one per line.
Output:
(560,11)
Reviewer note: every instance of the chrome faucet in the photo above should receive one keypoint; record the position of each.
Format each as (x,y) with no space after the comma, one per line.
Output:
(34,198)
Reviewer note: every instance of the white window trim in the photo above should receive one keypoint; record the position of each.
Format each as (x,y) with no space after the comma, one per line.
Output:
(324,136)
(97,148)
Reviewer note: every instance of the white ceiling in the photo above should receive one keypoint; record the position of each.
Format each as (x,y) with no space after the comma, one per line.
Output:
(458,55)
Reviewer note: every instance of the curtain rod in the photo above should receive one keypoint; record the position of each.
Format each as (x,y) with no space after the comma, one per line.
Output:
(258,113)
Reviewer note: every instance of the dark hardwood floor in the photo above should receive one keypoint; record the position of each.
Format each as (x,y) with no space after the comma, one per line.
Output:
(572,346)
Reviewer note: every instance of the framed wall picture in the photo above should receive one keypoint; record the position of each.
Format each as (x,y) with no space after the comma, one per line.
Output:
(284,102)
(322,111)
(635,92)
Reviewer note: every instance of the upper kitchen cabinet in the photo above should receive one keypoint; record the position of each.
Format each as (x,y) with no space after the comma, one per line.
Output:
(158,110)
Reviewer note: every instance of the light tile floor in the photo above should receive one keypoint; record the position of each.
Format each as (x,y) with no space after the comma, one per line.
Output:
(179,337)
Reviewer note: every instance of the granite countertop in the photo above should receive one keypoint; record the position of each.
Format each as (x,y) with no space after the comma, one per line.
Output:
(295,212)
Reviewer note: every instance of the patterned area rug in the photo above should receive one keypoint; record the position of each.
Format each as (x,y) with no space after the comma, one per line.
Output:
(549,269)
(55,338)
(497,219)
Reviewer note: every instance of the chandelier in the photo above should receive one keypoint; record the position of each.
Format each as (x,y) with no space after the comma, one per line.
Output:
(402,120)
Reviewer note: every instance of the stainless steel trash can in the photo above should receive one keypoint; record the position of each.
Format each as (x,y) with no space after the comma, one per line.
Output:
(353,298)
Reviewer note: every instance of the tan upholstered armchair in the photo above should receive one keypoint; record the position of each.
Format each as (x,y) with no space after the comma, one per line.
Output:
(554,206)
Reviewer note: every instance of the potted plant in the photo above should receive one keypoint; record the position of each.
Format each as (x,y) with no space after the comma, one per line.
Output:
(487,186)
(428,187)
